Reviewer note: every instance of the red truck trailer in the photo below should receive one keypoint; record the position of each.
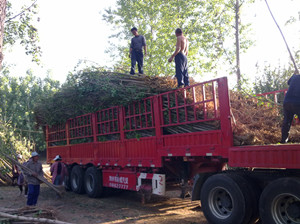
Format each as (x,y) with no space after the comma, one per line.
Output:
(184,135)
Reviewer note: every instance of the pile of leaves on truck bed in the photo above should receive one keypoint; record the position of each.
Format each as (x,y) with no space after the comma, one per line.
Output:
(256,122)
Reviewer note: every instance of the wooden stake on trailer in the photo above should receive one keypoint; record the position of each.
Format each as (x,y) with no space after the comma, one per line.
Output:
(43,179)
(292,58)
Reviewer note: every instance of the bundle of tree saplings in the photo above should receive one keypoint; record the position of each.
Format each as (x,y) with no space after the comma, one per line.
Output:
(255,123)
(90,91)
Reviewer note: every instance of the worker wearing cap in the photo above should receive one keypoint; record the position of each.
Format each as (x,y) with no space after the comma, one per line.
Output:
(33,183)
(138,43)
(291,106)
(58,171)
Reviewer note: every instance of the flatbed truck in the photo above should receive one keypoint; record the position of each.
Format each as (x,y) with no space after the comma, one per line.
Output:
(183,135)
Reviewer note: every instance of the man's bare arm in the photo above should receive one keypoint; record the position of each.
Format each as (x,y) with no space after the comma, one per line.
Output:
(177,50)
(145,50)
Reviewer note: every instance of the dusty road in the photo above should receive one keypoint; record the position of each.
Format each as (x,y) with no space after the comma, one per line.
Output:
(121,207)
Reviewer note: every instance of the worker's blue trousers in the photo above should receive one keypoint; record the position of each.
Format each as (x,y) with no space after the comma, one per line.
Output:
(33,194)
(181,70)
(137,56)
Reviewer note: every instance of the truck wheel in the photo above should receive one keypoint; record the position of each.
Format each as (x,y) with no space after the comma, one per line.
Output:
(93,182)
(225,199)
(77,177)
(254,192)
(67,181)
(280,202)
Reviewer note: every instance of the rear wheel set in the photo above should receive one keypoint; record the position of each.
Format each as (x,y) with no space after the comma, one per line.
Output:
(86,181)
(229,198)
(280,202)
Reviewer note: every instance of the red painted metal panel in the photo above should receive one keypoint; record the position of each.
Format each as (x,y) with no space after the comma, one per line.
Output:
(193,139)
(268,156)
(142,148)
(63,151)
(85,150)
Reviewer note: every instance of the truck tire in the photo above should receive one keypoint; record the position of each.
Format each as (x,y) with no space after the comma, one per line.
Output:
(67,180)
(225,199)
(254,192)
(280,202)
(93,183)
(77,178)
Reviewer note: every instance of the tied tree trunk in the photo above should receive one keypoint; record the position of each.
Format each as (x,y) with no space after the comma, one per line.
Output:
(237,43)
(286,44)
(2,19)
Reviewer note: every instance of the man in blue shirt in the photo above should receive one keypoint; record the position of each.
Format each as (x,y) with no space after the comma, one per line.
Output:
(138,42)
(291,106)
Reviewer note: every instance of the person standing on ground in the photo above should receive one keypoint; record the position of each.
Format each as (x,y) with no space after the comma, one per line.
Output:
(21,179)
(58,171)
(138,42)
(291,106)
(33,183)
(15,171)
(180,54)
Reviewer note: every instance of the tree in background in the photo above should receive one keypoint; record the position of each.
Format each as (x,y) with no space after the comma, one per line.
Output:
(20,27)
(18,97)
(17,26)
(240,30)
(205,23)
(2,19)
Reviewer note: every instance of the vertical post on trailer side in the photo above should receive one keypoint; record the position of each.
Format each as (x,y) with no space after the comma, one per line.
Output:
(67,132)
(225,116)
(122,134)
(94,127)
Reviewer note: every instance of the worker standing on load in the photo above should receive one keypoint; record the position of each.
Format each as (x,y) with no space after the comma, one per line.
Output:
(180,54)
(33,183)
(291,106)
(138,42)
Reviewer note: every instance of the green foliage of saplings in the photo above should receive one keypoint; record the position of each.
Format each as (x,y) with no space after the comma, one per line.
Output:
(93,89)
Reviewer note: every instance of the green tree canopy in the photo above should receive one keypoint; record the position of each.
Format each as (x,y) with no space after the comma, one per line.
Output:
(18,97)
(206,24)
(20,27)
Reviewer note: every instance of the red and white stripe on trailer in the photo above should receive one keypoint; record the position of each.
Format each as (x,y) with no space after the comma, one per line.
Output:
(158,182)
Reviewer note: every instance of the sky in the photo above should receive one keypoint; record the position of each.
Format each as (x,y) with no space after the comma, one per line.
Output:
(73,30)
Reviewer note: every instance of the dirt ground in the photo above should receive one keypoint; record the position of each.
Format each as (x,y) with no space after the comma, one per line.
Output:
(118,207)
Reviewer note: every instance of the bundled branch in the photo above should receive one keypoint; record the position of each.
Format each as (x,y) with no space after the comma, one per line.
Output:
(30,172)
(25,215)
(5,172)
(92,91)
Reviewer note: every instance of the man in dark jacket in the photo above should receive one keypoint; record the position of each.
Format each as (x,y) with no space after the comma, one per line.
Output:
(33,183)
(138,42)
(291,106)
